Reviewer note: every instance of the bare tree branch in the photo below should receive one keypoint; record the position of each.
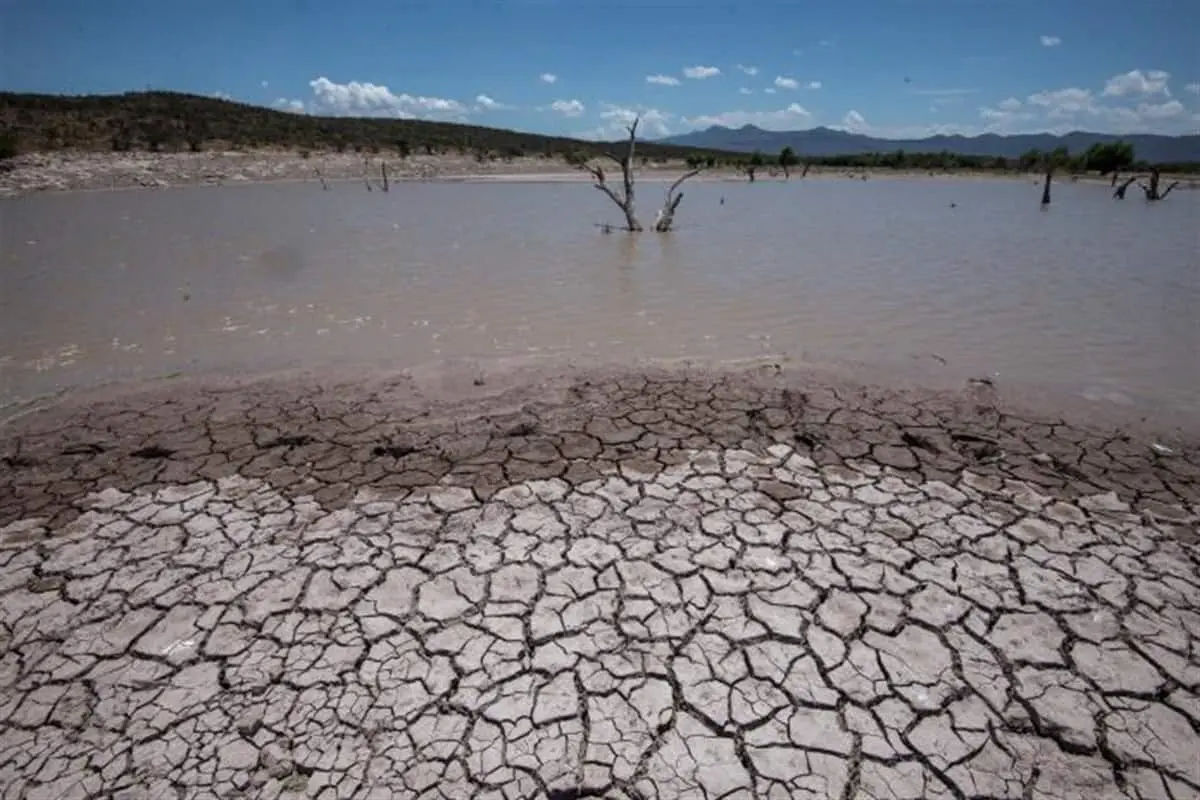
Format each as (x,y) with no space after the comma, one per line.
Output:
(666,216)
(625,201)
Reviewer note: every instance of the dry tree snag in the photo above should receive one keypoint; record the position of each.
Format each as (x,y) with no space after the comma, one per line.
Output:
(1046,185)
(625,199)
(1151,191)
(1119,194)
(666,215)
(383,172)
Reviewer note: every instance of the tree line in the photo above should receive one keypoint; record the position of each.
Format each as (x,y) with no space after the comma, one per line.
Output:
(1104,159)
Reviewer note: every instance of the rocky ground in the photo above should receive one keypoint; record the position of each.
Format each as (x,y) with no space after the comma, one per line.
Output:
(66,170)
(611,584)
(59,171)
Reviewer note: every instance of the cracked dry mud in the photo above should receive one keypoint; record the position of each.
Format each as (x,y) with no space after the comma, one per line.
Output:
(642,586)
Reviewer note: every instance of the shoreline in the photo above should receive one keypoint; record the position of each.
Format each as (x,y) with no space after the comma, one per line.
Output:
(78,171)
(446,393)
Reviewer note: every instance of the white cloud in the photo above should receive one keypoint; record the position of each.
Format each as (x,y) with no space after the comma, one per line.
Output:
(568,108)
(264,84)
(769,90)
(222,95)
(749,70)
(653,121)
(284,104)
(1194,88)
(786,83)
(484,102)
(854,120)
(1011,104)
(783,119)
(1063,102)
(663,80)
(813,85)
(1137,82)
(548,77)
(370,99)
(1167,110)
(700,73)
(744,90)
(1051,41)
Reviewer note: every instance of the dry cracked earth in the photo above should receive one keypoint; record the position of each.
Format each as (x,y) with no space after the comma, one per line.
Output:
(654,585)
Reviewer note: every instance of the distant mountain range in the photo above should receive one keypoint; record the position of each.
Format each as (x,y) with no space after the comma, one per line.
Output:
(828,142)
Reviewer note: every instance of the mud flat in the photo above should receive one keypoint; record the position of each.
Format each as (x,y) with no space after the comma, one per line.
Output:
(626,583)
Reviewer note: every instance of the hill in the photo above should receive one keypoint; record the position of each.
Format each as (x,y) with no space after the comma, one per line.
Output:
(176,121)
(824,142)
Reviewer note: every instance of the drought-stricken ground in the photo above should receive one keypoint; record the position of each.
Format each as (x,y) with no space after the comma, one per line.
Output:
(642,587)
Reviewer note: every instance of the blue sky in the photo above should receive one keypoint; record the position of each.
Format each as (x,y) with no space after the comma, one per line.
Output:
(583,67)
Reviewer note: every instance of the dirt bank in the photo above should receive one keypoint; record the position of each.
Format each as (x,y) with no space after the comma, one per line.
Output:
(67,170)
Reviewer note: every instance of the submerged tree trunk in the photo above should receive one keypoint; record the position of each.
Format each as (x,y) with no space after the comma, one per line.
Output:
(625,198)
(1046,186)
(666,215)
(1119,194)
(624,201)
(1152,192)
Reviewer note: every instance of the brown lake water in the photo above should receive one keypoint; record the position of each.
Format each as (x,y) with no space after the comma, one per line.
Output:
(1093,297)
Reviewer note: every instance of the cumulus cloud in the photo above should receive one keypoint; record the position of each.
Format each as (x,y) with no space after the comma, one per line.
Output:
(485,102)
(782,119)
(813,85)
(653,121)
(222,95)
(854,121)
(747,69)
(284,104)
(786,83)
(1137,82)
(662,80)
(1009,104)
(1051,41)
(744,90)
(1167,110)
(264,84)
(568,108)
(377,100)
(1194,88)
(1063,102)
(548,77)
(700,73)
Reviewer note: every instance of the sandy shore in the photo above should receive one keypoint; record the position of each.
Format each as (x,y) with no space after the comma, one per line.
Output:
(618,583)
(66,171)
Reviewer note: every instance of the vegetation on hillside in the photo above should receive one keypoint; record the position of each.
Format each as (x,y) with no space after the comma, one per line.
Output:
(171,121)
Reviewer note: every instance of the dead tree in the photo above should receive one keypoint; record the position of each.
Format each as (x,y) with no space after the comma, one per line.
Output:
(383,172)
(1152,192)
(625,197)
(624,201)
(804,174)
(1119,194)
(666,215)
(1046,185)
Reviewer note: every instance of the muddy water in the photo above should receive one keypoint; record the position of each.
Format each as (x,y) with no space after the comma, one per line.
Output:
(1095,297)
